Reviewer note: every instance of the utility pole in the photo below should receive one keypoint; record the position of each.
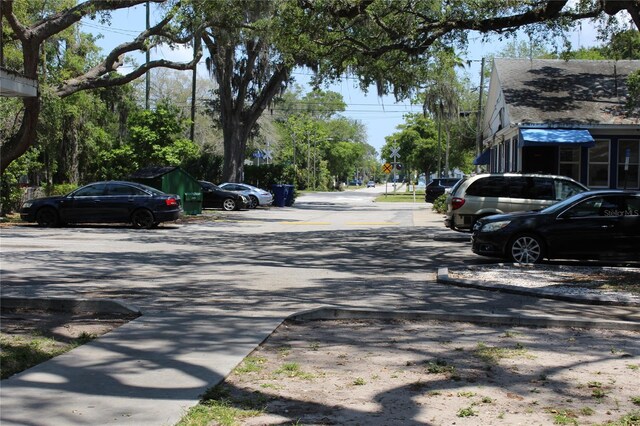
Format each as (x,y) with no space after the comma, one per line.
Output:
(440,139)
(148,56)
(479,128)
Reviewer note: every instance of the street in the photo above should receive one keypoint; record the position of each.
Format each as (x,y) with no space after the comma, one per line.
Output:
(212,290)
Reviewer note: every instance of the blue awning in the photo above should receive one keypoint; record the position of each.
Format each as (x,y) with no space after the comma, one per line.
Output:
(483,158)
(550,137)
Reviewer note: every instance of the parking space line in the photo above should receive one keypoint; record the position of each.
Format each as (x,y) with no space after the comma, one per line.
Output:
(373,223)
(305,223)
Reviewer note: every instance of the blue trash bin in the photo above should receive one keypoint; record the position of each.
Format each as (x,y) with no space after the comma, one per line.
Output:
(288,195)
(279,195)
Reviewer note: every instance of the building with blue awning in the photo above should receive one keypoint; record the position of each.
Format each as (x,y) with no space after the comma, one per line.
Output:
(563,117)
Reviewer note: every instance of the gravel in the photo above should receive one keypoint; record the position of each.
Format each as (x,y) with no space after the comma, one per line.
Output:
(620,284)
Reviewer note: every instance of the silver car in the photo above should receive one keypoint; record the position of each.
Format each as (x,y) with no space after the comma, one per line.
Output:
(489,194)
(257,196)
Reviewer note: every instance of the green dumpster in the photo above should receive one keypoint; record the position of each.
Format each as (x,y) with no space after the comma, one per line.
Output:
(192,203)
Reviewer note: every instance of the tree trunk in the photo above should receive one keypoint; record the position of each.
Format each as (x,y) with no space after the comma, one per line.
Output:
(235,142)
(68,152)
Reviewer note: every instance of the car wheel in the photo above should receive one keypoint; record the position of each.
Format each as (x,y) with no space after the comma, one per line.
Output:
(229,204)
(143,219)
(526,249)
(47,217)
(254,201)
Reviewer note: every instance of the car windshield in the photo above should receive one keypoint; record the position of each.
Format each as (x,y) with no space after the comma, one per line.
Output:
(561,205)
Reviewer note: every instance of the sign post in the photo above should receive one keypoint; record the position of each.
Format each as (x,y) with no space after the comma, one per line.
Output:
(395,155)
(627,156)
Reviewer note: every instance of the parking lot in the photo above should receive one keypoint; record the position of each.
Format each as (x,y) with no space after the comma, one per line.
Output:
(221,284)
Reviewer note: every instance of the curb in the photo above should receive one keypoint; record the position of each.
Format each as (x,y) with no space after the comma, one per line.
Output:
(443,278)
(320,314)
(100,306)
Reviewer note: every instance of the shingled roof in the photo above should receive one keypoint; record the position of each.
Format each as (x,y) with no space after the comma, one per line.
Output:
(565,92)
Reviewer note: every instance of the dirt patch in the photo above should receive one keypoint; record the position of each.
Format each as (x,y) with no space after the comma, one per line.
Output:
(60,326)
(437,373)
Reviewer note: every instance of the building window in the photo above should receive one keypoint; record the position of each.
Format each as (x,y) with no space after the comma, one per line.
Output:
(599,164)
(514,154)
(629,178)
(570,162)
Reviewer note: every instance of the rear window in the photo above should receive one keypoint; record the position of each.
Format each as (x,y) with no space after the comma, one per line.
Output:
(457,185)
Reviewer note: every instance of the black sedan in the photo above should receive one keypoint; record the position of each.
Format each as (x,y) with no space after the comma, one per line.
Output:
(215,197)
(437,187)
(602,225)
(105,202)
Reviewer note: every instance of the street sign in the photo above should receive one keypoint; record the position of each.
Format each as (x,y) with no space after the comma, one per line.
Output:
(267,154)
(386,167)
(394,152)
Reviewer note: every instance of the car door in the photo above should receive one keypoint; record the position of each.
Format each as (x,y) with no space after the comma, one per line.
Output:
(629,238)
(83,205)
(120,201)
(590,229)
(210,195)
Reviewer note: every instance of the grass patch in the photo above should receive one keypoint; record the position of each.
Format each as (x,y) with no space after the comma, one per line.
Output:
(635,400)
(292,369)
(400,197)
(217,406)
(251,364)
(563,417)
(631,419)
(18,353)
(493,354)
(439,366)
(587,411)
(466,412)
(359,381)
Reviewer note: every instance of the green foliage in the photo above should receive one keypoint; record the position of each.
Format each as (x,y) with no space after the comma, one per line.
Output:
(10,189)
(156,136)
(440,204)
(633,98)
(321,149)
(59,189)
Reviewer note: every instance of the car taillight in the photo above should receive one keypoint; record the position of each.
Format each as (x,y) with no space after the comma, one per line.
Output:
(171,202)
(456,203)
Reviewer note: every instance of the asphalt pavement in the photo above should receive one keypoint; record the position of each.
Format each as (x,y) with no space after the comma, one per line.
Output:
(211,291)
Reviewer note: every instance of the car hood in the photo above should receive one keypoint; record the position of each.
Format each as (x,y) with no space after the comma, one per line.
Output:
(510,216)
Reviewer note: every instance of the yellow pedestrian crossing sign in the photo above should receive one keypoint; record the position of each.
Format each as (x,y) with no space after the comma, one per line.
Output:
(386,168)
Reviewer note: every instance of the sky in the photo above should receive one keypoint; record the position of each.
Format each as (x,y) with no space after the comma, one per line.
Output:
(380,115)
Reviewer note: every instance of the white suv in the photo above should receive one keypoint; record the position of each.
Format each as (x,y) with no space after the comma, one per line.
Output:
(488,194)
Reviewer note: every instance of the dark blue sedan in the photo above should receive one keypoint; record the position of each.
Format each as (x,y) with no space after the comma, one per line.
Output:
(105,202)
(602,225)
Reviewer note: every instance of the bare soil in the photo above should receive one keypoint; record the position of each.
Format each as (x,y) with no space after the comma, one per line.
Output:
(437,373)
(61,326)
(414,373)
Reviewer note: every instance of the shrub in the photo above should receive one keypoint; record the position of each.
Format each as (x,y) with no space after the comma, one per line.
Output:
(439,204)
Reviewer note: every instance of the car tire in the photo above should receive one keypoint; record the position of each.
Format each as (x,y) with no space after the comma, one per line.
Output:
(254,202)
(143,219)
(229,204)
(47,217)
(526,248)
